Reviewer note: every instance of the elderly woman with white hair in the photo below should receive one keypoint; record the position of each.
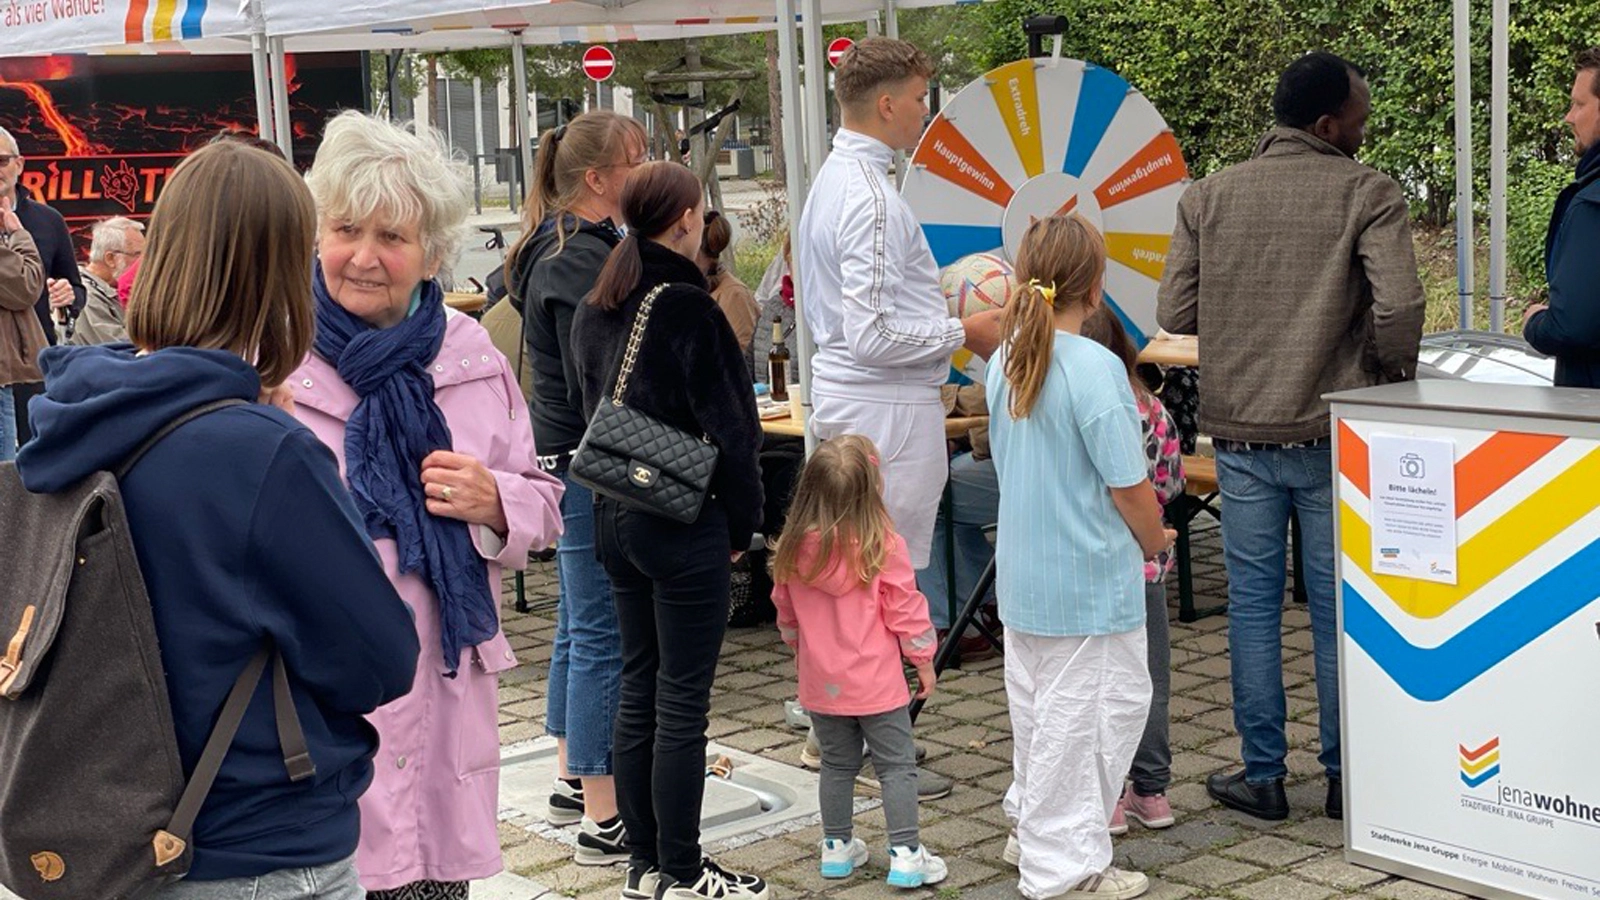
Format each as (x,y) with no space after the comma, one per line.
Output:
(433,438)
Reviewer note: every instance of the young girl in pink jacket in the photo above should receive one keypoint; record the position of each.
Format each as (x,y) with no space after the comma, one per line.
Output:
(848,603)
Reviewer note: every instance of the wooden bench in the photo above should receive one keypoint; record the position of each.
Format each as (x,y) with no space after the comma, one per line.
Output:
(1200,495)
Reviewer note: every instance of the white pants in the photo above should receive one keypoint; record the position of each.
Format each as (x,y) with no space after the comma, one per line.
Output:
(906,422)
(1078,709)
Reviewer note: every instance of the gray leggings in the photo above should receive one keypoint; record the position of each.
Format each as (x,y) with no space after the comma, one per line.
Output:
(1152,764)
(894,762)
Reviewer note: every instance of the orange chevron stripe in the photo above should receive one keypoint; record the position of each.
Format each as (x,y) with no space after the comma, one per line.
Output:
(1488,468)
(1473,755)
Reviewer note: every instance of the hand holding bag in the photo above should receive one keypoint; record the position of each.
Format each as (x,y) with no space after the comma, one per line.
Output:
(638,460)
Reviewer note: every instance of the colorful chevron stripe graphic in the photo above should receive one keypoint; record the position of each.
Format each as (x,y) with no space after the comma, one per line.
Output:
(1480,765)
(1523,566)
(171,20)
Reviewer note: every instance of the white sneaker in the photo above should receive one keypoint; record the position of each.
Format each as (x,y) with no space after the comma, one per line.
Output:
(910,868)
(1112,884)
(641,883)
(715,884)
(599,846)
(1012,855)
(795,715)
(811,753)
(840,858)
(565,806)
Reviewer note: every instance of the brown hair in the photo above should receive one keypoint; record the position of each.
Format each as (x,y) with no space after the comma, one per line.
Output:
(1589,61)
(1104,327)
(715,239)
(593,140)
(228,262)
(875,64)
(240,136)
(839,498)
(655,196)
(1060,266)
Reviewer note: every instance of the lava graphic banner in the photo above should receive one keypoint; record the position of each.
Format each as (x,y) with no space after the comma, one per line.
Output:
(100,134)
(1469,723)
(32,26)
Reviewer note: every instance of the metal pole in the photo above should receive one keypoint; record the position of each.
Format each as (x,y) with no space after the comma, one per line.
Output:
(816,86)
(263,83)
(519,69)
(280,98)
(1500,93)
(891,16)
(796,177)
(1465,282)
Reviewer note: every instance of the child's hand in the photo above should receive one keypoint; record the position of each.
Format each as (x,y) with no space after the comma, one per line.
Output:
(926,678)
(1170,536)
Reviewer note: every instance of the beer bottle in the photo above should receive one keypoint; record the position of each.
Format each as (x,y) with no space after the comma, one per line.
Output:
(778,364)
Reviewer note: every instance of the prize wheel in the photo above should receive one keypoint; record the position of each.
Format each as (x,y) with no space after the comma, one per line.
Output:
(1043,137)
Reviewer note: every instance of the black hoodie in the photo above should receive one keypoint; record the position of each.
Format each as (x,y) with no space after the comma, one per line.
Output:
(548,281)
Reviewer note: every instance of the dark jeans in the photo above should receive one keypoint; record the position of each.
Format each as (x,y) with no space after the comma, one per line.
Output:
(670,582)
(1152,764)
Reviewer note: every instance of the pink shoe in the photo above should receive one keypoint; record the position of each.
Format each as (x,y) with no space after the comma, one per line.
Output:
(1119,819)
(1151,812)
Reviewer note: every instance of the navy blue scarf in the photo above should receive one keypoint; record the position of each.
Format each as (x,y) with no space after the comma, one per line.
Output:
(392,429)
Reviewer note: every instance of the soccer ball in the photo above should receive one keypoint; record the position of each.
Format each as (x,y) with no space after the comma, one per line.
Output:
(973,284)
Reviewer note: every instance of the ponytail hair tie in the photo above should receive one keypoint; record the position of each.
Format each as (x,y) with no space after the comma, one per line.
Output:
(1048,292)
(558,134)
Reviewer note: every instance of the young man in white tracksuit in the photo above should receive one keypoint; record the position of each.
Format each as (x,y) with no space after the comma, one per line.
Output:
(870,290)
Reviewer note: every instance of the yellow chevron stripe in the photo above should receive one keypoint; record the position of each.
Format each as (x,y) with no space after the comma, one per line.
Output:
(161,27)
(1471,769)
(1524,528)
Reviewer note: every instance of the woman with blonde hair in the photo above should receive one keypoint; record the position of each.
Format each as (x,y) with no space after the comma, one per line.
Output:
(570,223)
(429,425)
(1077,519)
(244,532)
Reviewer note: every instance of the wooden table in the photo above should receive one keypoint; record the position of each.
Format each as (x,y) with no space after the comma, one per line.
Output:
(1177,351)
(954,427)
(464,301)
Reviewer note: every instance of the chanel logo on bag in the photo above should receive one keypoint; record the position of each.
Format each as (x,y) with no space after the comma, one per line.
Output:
(641,474)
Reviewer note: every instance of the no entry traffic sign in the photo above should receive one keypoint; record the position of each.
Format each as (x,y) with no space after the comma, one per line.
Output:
(837,48)
(599,63)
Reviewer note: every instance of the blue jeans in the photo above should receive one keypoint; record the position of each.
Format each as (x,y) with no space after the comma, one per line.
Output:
(334,881)
(8,426)
(1259,488)
(586,662)
(974,504)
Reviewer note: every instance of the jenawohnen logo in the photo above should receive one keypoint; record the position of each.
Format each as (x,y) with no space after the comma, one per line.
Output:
(1480,764)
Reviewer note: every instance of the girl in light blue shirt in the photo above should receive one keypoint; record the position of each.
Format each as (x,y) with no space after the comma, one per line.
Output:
(1078,517)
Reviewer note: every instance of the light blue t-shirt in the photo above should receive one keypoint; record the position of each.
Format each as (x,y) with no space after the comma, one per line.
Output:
(1066,562)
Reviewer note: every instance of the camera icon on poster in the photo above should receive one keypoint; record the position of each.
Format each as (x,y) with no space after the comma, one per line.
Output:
(1411,466)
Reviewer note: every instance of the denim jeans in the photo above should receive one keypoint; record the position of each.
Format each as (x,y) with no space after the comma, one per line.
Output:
(586,661)
(8,426)
(334,881)
(974,505)
(1259,488)
(671,584)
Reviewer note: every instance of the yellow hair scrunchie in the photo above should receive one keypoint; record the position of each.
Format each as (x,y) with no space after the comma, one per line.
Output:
(1047,292)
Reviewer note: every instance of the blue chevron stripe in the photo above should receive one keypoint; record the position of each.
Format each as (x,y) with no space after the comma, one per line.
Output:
(1491,772)
(1099,97)
(1432,674)
(951,242)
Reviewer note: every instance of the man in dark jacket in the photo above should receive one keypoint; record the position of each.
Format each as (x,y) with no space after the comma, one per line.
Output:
(62,285)
(1568,328)
(1296,270)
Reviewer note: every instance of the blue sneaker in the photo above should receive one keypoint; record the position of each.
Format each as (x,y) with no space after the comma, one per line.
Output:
(910,868)
(840,858)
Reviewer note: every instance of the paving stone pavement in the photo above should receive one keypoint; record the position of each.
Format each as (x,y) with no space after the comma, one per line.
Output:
(1211,853)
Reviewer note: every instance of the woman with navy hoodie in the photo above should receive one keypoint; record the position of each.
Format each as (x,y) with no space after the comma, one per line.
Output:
(243,529)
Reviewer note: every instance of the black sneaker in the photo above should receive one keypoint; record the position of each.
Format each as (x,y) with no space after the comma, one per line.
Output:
(1264,801)
(1334,807)
(601,844)
(714,884)
(565,806)
(641,883)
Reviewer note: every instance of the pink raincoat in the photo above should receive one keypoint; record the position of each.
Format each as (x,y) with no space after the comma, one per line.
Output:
(431,810)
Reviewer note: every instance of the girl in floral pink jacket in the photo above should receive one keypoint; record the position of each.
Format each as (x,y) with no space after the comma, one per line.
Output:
(848,603)
(1145,800)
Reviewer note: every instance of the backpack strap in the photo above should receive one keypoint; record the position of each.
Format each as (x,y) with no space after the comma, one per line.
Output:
(183,419)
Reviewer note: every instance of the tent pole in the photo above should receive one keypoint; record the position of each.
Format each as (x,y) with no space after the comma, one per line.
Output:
(263,84)
(283,129)
(816,87)
(519,69)
(796,177)
(1465,282)
(1497,166)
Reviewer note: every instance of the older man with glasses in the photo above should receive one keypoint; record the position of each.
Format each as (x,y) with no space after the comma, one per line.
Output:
(115,244)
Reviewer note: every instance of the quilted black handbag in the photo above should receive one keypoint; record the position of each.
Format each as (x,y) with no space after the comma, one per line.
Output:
(638,460)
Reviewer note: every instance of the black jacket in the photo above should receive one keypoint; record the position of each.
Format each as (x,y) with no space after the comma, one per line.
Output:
(690,373)
(1570,329)
(49,232)
(547,285)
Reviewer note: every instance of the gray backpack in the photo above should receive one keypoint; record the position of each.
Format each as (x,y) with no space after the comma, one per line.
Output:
(93,804)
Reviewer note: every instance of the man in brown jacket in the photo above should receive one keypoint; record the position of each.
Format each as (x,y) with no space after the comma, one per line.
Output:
(1296,270)
(21,336)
